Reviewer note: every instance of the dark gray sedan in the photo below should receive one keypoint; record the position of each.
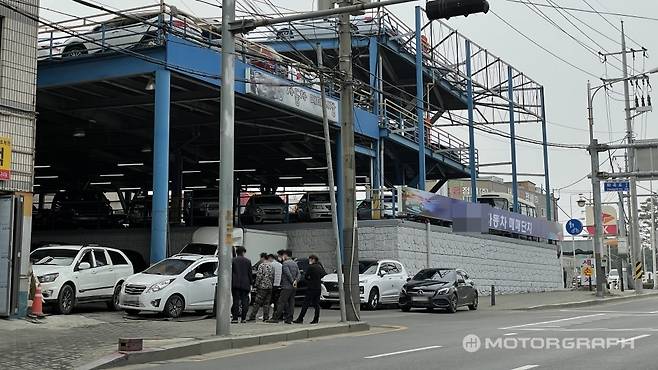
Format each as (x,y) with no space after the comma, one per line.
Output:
(443,288)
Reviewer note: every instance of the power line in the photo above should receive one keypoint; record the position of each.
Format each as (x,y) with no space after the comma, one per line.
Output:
(610,23)
(591,11)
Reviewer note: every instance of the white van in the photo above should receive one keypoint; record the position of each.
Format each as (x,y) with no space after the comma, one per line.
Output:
(206,239)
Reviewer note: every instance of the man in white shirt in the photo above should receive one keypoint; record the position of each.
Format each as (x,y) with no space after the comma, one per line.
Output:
(276,286)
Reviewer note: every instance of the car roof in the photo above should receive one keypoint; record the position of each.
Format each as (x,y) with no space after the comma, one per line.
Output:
(70,247)
(191,257)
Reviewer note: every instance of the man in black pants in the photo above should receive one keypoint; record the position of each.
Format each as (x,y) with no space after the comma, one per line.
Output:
(313,276)
(289,279)
(241,285)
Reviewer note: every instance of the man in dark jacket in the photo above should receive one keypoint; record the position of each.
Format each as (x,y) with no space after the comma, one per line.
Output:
(290,276)
(241,285)
(313,275)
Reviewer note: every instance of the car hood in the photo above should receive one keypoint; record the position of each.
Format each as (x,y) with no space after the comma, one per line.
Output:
(429,284)
(148,279)
(333,278)
(40,270)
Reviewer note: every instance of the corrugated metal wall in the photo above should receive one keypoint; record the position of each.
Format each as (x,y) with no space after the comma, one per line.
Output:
(18,72)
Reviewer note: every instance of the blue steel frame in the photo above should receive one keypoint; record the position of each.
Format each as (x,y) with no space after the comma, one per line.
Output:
(160,206)
(512,134)
(471,124)
(419,102)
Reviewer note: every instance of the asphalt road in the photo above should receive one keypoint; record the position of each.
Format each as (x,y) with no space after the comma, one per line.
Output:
(608,336)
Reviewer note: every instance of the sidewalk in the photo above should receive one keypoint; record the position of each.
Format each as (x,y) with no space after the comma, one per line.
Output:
(65,342)
(556,299)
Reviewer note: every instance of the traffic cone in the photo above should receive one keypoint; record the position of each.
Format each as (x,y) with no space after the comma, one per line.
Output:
(37,303)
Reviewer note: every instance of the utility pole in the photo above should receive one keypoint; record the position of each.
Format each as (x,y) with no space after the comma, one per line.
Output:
(634,229)
(653,236)
(226,157)
(332,189)
(350,242)
(596,197)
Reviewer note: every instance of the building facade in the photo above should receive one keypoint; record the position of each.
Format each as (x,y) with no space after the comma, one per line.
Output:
(18,72)
(528,191)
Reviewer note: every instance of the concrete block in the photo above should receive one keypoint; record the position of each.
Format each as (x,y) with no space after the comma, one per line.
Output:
(214,345)
(331,330)
(273,338)
(246,341)
(297,335)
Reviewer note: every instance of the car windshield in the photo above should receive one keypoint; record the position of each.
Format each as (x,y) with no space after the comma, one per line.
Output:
(367,267)
(53,256)
(200,248)
(268,200)
(318,197)
(436,275)
(168,267)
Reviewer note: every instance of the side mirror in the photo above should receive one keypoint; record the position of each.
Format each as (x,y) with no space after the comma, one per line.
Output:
(84,266)
(408,279)
(382,273)
(198,276)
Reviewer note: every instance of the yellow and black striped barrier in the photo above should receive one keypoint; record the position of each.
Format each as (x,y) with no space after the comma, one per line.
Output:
(639,270)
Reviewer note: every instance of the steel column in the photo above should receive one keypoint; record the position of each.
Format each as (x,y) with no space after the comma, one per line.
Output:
(420,91)
(512,134)
(160,202)
(471,124)
(373,51)
(547,180)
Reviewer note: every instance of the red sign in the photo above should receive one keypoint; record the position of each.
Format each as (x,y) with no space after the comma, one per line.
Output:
(607,230)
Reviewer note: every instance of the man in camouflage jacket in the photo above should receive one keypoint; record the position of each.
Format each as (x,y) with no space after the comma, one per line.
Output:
(263,285)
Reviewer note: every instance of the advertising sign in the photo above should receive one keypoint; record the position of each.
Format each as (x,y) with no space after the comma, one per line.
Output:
(426,204)
(285,92)
(608,216)
(5,158)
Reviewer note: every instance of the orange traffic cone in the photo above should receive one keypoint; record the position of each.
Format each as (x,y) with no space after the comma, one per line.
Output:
(37,303)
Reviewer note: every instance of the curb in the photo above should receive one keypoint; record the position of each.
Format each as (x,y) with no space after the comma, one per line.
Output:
(588,302)
(204,346)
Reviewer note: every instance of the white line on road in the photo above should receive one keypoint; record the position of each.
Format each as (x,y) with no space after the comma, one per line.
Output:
(588,329)
(508,334)
(611,311)
(552,321)
(526,367)
(402,352)
(635,338)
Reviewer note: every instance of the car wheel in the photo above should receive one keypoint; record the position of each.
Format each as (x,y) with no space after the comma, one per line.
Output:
(74,50)
(452,308)
(114,303)
(405,308)
(132,312)
(373,299)
(326,305)
(474,305)
(174,307)
(66,300)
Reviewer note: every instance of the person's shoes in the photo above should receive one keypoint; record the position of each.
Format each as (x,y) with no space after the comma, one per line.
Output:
(315,322)
(298,321)
(234,321)
(289,322)
(272,321)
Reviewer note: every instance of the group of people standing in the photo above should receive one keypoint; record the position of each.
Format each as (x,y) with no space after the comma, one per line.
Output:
(276,282)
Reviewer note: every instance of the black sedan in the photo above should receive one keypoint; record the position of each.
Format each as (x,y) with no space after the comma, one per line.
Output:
(443,288)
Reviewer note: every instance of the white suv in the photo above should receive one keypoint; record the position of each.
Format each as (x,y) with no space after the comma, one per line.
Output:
(380,282)
(72,274)
(174,285)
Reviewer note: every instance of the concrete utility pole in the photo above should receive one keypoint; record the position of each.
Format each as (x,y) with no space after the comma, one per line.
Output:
(332,189)
(653,235)
(350,241)
(226,157)
(634,229)
(596,197)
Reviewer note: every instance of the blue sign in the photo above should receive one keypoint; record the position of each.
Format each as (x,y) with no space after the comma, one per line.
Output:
(574,226)
(618,185)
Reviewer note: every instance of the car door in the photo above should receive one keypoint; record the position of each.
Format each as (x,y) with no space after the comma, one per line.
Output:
(201,289)
(122,268)
(105,276)
(387,280)
(463,289)
(470,286)
(85,280)
(400,278)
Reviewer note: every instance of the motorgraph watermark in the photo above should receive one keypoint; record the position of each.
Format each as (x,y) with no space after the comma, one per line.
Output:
(473,343)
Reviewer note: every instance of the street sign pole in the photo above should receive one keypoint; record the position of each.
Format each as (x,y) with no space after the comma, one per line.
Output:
(596,197)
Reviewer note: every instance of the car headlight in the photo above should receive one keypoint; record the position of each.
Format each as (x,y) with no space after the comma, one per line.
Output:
(442,291)
(159,286)
(48,278)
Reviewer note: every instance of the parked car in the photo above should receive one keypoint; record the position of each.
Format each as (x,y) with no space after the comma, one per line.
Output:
(85,208)
(328,29)
(314,206)
(136,29)
(380,282)
(444,288)
(202,207)
(73,274)
(364,208)
(172,286)
(264,208)
(613,278)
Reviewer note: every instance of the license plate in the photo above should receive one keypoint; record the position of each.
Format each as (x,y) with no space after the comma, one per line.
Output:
(419,299)
(130,301)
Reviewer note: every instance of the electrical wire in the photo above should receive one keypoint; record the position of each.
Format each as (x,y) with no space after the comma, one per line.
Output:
(623,15)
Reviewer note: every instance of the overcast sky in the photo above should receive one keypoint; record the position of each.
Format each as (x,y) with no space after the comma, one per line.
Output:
(565,87)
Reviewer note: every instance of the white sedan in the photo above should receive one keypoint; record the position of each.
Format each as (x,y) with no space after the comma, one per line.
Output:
(172,286)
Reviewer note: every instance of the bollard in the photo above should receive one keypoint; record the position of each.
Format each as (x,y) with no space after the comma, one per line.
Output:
(493,295)
(590,283)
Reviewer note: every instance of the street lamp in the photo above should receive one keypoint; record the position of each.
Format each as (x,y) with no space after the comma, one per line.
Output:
(581,202)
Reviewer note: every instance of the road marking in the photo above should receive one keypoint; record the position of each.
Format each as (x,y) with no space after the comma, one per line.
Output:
(508,334)
(552,321)
(590,329)
(635,338)
(611,311)
(402,352)
(526,367)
